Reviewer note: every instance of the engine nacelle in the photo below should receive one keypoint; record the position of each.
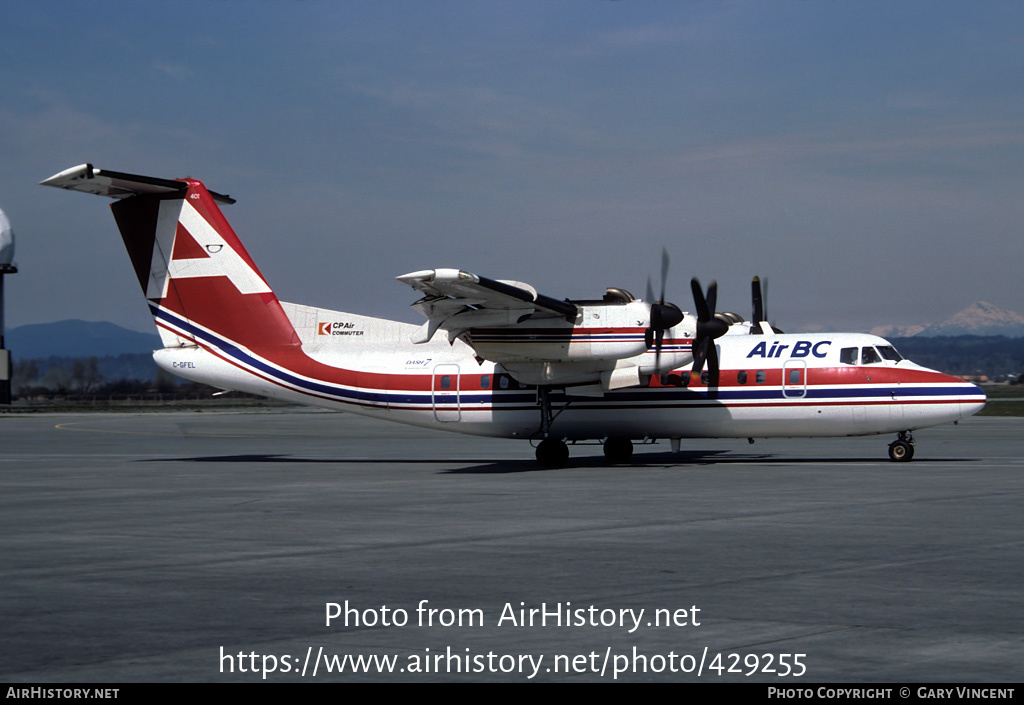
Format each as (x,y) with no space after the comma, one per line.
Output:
(600,333)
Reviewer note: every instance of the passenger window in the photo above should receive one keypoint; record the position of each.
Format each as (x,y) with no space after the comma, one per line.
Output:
(684,379)
(705,376)
(759,377)
(741,377)
(503,381)
(794,376)
(868,356)
(671,380)
(446,382)
(485,381)
(848,356)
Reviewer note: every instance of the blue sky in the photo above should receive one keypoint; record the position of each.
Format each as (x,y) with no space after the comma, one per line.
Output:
(866,157)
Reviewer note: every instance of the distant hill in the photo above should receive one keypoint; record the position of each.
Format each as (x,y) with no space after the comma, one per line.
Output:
(75,338)
(980,319)
(992,356)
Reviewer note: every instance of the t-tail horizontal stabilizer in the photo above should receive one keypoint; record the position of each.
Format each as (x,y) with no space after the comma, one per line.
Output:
(116,184)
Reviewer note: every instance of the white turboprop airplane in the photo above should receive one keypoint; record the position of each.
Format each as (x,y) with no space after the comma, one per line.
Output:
(495,358)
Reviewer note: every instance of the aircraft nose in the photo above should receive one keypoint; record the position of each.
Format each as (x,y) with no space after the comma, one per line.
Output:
(970,397)
(972,400)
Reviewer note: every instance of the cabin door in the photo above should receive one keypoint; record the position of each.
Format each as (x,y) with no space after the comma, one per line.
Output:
(445,393)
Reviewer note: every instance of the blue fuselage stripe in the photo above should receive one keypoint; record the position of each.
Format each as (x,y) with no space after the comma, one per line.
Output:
(497,398)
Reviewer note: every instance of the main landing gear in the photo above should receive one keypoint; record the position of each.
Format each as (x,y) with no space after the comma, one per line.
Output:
(618,450)
(551,452)
(902,449)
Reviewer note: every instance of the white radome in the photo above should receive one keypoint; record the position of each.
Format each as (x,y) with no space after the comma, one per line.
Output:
(6,240)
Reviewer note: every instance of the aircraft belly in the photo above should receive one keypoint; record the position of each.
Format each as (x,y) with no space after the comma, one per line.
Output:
(780,418)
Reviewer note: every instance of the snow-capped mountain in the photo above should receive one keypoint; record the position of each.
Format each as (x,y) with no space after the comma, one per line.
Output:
(981,318)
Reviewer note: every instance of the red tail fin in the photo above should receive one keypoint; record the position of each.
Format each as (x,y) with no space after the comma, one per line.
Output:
(199,279)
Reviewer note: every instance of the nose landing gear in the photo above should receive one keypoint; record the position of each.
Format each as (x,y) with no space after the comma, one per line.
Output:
(902,449)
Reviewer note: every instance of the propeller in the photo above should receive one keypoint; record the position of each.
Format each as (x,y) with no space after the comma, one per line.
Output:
(709,327)
(664,315)
(758,312)
(759,295)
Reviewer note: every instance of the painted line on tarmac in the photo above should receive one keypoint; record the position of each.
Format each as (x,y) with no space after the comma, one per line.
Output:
(70,426)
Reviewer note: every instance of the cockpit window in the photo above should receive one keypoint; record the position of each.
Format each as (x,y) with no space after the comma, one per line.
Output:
(869,356)
(848,356)
(889,353)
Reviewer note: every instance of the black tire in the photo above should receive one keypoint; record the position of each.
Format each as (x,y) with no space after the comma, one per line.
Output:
(901,451)
(618,450)
(552,453)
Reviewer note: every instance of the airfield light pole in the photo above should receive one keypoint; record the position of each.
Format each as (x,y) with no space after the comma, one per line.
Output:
(6,267)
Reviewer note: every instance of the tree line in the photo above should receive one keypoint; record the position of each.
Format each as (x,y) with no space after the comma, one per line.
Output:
(135,375)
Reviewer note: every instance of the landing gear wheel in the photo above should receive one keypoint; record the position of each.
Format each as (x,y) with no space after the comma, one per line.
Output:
(552,453)
(901,451)
(618,450)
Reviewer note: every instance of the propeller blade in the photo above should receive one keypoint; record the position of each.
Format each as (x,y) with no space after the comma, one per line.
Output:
(758,301)
(705,353)
(700,353)
(712,364)
(764,296)
(664,273)
(699,301)
(712,297)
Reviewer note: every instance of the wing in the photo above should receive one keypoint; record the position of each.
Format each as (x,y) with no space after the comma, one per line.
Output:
(589,347)
(457,300)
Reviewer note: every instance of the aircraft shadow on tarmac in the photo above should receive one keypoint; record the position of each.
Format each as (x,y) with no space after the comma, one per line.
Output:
(672,461)
(680,460)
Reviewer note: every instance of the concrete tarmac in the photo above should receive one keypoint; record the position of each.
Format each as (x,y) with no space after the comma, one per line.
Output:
(210,546)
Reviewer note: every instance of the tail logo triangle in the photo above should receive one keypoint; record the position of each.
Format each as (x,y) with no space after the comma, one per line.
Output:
(207,255)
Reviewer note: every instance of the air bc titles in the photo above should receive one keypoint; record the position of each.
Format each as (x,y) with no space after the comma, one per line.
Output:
(801,348)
